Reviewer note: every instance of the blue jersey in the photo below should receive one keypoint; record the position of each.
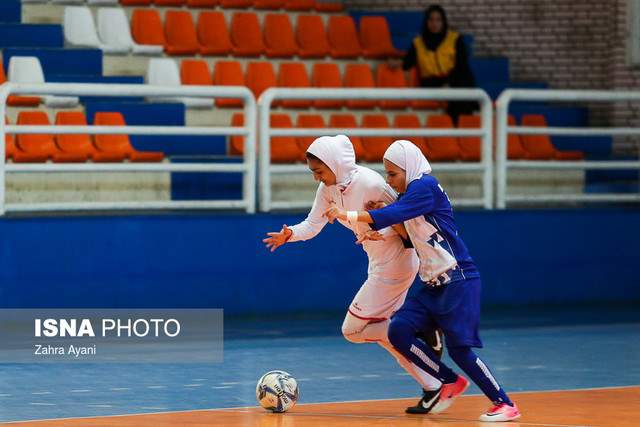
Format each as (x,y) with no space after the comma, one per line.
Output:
(434,227)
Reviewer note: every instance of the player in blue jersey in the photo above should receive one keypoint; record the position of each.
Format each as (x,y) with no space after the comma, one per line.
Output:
(450,297)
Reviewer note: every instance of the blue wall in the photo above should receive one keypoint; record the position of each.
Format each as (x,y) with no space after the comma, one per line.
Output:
(219,261)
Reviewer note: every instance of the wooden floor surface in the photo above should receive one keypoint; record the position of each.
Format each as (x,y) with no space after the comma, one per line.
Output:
(615,407)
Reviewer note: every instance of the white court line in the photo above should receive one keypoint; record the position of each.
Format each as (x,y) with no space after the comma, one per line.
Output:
(230,383)
(154,387)
(39,393)
(197,380)
(119,388)
(99,405)
(41,404)
(192,385)
(5,395)
(336,378)
(153,408)
(403,374)
(240,408)
(83,390)
(220,387)
(370,376)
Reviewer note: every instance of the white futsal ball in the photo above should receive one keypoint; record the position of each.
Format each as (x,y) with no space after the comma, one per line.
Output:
(277,391)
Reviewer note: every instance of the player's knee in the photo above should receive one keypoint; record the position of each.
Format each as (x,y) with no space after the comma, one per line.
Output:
(400,332)
(460,354)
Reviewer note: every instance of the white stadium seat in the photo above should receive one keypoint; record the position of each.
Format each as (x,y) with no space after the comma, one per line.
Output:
(113,29)
(27,69)
(164,72)
(80,30)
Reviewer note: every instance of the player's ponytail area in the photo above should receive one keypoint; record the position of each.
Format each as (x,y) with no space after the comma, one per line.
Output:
(567,357)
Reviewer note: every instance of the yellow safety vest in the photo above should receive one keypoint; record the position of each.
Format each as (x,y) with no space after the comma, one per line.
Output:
(440,62)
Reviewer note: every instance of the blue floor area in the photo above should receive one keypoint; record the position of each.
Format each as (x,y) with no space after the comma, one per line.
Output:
(528,349)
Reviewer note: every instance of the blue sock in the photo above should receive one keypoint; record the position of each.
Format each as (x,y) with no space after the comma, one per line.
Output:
(402,336)
(475,368)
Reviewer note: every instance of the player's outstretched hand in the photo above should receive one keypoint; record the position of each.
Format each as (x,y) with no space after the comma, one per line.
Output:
(369,235)
(277,239)
(334,212)
(372,205)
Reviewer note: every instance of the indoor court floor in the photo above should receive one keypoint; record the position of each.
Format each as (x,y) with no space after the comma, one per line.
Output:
(564,368)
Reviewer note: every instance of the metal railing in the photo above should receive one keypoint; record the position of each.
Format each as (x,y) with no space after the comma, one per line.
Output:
(247,167)
(503,165)
(485,132)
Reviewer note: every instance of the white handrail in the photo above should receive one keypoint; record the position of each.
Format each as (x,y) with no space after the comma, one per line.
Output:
(247,167)
(266,132)
(503,129)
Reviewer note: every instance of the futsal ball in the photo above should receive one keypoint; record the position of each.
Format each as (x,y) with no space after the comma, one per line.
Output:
(277,391)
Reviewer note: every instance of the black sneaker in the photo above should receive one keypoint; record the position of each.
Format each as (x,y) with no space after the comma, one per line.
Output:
(428,401)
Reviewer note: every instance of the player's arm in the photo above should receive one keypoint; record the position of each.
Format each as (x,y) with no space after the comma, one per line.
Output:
(417,201)
(307,229)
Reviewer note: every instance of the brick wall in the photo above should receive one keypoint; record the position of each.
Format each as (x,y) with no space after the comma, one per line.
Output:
(570,44)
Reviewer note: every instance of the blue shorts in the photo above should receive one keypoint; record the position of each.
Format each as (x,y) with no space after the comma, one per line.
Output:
(454,308)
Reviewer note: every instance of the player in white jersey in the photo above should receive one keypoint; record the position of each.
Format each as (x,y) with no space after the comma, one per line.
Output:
(392,263)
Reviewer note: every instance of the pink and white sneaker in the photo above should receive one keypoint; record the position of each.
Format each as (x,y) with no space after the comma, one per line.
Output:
(500,413)
(449,393)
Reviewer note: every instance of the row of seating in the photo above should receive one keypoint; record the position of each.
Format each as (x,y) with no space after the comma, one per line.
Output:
(291,5)
(260,76)
(28,148)
(211,35)
(286,149)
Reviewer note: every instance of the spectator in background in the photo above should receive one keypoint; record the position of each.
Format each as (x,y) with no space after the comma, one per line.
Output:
(440,57)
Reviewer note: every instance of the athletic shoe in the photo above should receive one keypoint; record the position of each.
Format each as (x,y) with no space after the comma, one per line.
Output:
(449,393)
(428,401)
(501,412)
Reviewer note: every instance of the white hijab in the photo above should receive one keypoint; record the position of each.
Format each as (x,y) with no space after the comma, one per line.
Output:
(407,156)
(338,154)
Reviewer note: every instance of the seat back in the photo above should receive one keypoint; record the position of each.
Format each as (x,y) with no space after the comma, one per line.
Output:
(71,143)
(376,145)
(442,148)
(113,27)
(375,37)
(79,27)
(294,74)
(311,36)
(312,121)
(228,73)
(537,147)
(515,150)
(359,76)
(348,121)
(25,69)
(343,37)
(195,72)
(410,121)
(387,77)
(163,72)
(146,27)
(35,143)
(278,35)
(260,77)
(213,33)
(117,143)
(179,29)
(246,35)
(470,146)
(326,75)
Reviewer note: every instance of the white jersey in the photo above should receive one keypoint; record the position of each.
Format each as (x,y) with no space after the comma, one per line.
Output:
(389,260)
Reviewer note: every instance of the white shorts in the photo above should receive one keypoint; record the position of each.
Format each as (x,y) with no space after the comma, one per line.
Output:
(379,298)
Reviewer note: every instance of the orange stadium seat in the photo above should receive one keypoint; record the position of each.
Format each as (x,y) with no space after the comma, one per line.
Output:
(180,33)
(268,4)
(278,36)
(375,146)
(325,6)
(359,76)
(515,150)
(9,144)
(343,38)
(348,121)
(299,5)
(260,77)
(375,38)
(119,144)
(81,144)
(294,74)
(311,37)
(146,27)
(326,75)
(284,149)
(228,73)
(246,35)
(213,34)
(470,146)
(410,121)
(202,3)
(135,2)
(236,4)
(387,77)
(39,147)
(442,148)
(18,101)
(539,147)
(313,121)
(169,3)
(195,72)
